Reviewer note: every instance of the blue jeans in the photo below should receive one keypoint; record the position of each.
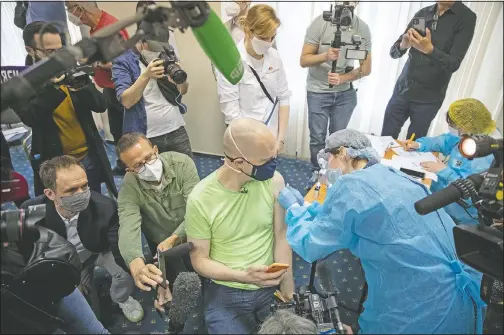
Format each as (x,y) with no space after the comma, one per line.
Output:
(77,314)
(334,109)
(233,311)
(177,140)
(400,108)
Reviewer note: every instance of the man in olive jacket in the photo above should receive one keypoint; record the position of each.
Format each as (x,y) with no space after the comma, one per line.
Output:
(153,200)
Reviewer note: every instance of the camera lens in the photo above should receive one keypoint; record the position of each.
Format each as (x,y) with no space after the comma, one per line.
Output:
(18,224)
(176,73)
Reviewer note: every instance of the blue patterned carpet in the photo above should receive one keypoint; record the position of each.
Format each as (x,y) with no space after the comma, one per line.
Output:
(346,269)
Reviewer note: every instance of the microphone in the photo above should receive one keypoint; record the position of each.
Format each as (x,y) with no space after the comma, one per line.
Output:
(211,34)
(215,40)
(325,279)
(107,44)
(329,287)
(459,189)
(178,251)
(186,291)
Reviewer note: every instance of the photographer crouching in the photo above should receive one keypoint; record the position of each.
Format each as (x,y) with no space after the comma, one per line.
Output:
(150,84)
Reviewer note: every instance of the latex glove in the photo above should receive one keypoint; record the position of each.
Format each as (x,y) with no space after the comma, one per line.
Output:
(289,196)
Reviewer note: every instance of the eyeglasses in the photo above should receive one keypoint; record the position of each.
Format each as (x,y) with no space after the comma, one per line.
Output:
(47,51)
(148,161)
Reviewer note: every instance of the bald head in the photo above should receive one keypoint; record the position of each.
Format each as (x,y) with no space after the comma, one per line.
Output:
(252,141)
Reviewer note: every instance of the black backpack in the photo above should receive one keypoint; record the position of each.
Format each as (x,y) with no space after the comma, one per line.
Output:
(20,14)
(36,275)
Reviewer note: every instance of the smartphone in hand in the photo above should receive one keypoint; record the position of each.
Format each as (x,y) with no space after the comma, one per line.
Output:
(275,267)
(419,25)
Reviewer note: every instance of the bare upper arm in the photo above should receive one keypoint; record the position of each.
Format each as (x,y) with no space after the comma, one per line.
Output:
(366,64)
(201,248)
(277,185)
(309,49)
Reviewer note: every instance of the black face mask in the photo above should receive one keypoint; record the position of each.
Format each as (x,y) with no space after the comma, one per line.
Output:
(260,172)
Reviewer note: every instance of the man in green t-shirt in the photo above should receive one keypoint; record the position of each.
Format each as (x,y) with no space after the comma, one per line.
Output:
(238,230)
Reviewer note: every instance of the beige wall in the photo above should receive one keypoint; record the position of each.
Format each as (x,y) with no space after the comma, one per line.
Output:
(205,122)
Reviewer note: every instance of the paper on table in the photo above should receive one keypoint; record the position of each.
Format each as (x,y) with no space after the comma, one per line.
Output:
(9,133)
(398,162)
(418,156)
(381,143)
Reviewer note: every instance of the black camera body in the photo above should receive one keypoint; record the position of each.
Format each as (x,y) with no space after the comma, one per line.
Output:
(341,14)
(322,308)
(479,246)
(172,69)
(78,78)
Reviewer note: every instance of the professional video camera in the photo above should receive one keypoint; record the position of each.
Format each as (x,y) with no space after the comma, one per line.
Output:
(481,245)
(172,69)
(320,307)
(38,268)
(16,223)
(107,44)
(78,78)
(341,16)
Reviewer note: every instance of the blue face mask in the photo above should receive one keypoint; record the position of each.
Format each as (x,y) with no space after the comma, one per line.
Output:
(259,172)
(265,171)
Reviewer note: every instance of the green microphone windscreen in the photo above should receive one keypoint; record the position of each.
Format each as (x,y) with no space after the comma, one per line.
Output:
(219,46)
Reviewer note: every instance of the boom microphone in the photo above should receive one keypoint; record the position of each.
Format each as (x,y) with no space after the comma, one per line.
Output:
(459,189)
(219,46)
(186,291)
(107,44)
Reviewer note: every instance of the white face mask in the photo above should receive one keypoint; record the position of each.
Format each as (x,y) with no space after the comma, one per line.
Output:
(453,131)
(260,46)
(148,55)
(152,172)
(232,9)
(333,174)
(74,19)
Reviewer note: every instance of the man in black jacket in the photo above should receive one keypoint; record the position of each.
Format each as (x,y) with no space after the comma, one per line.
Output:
(433,57)
(90,222)
(61,117)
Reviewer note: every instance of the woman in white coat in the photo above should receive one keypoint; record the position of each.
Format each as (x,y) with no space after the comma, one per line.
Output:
(262,93)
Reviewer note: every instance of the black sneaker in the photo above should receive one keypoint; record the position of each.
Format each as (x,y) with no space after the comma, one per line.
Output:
(313,179)
(118,171)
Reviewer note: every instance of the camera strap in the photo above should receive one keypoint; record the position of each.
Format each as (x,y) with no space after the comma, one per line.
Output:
(267,94)
(169,91)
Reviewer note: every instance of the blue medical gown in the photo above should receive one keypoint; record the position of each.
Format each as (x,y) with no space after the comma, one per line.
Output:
(458,167)
(416,284)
